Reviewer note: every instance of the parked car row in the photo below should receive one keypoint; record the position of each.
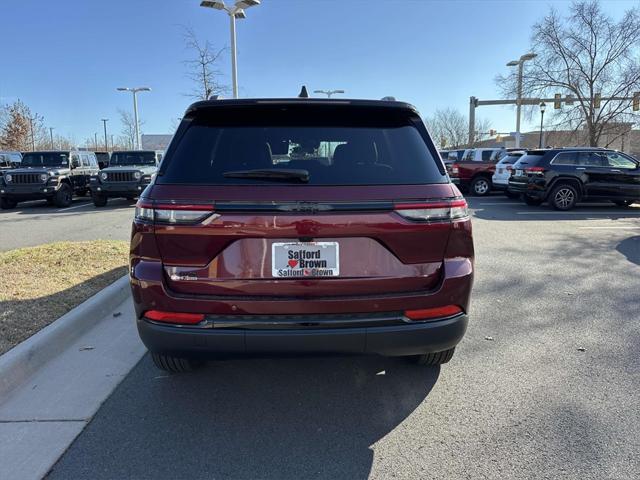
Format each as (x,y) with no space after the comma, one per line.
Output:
(472,169)
(565,176)
(560,176)
(58,176)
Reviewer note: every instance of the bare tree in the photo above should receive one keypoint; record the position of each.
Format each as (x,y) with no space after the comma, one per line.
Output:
(15,131)
(584,54)
(128,133)
(201,67)
(449,128)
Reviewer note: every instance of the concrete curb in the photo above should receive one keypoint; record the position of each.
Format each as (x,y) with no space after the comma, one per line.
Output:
(26,358)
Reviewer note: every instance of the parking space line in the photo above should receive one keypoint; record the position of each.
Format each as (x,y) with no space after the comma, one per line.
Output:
(629,227)
(623,214)
(501,203)
(71,208)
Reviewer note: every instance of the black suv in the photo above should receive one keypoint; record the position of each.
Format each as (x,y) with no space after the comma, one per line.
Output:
(127,175)
(565,176)
(54,176)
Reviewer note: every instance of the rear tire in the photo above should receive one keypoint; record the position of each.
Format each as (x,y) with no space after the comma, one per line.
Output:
(533,202)
(174,364)
(480,186)
(63,196)
(99,200)
(7,203)
(432,359)
(623,203)
(564,197)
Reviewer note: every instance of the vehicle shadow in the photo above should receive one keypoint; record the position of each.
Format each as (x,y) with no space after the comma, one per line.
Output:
(284,418)
(630,248)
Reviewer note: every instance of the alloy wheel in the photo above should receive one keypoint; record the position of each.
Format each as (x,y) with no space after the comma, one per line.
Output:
(564,197)
(481,187)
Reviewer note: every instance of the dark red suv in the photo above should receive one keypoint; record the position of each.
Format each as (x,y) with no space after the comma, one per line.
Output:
(301,226)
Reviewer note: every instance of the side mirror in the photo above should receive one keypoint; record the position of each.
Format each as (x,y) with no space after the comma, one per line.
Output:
(75,164)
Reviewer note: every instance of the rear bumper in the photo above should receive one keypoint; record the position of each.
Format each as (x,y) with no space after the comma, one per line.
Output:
(397,340)
(500,183)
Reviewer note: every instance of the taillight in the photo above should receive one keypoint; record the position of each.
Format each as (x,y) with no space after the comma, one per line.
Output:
(172,213)
(431,313)
(535,170)
(509,168)
(174,317)
(436,211)
(454,169)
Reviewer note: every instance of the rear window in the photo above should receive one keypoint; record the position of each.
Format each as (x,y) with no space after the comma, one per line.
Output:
(347,146)
(510,159)
(531,158)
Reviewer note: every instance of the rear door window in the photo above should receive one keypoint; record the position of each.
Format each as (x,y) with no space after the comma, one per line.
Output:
(566,158)
(591,159)
(486,155)
(355,148)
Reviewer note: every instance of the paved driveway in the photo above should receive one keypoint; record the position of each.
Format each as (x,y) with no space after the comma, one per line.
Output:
(545,384)
(35,223)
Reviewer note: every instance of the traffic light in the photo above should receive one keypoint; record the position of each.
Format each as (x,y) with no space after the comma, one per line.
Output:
(596,100)
(557,101)
(568,100)
(636,101)
(492,133)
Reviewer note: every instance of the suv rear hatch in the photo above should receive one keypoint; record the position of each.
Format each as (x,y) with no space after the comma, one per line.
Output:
(527,166)
(301,199)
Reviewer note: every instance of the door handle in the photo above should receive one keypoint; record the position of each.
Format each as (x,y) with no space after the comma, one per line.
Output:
(617,171)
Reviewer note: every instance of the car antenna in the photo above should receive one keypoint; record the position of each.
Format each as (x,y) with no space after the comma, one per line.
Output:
(303,92)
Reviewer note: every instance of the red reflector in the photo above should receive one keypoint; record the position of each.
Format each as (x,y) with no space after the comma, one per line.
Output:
(174,317)
(534,169)
(428,313)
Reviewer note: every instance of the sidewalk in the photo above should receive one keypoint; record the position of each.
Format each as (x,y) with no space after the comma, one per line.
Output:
(42,417)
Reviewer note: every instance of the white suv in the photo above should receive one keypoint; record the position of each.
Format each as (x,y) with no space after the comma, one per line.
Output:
(500,178)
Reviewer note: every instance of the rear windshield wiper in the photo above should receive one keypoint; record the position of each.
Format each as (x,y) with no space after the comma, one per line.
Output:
(271,174)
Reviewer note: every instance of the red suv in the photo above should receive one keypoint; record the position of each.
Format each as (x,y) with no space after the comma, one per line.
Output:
(301,226)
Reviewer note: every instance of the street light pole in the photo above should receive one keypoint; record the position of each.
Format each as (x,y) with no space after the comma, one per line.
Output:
(520,64)
(135,91)
(51,136)
(234,67)
(328,93)
(235,11)
(106,142)
(543,107)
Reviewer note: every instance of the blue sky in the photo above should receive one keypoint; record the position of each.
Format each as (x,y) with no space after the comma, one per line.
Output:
(65,58)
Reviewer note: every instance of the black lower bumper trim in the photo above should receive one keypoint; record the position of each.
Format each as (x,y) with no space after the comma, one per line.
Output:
(391,340)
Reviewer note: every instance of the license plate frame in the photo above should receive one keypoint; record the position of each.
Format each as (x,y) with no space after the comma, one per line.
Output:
(286,263)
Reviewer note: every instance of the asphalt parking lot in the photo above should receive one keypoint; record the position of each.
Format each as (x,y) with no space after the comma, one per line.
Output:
(35,223)
(544,385)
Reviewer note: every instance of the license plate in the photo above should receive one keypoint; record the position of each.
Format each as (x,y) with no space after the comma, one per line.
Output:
(305,259)
(519,173)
